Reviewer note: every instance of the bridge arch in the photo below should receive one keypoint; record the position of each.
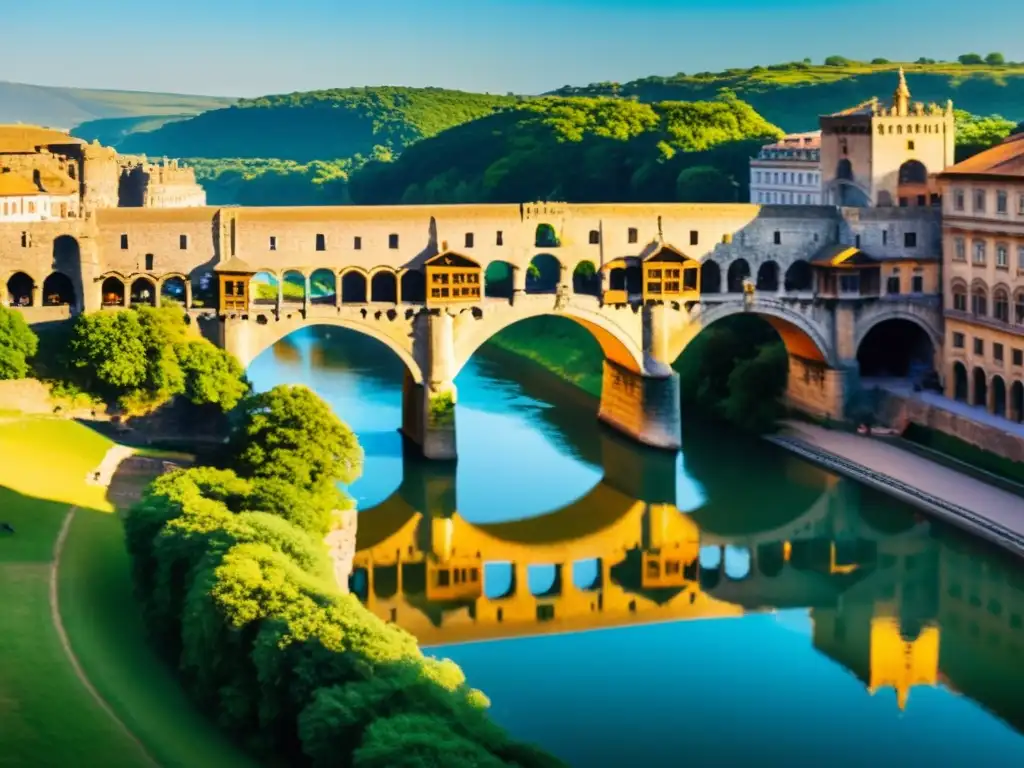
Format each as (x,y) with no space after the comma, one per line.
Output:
(802,336)
(873,325)
(615,342)
(268,334)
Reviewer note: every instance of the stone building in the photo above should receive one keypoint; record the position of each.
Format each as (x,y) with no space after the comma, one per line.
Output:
(873,155)
(73,178)
(164,184)
(983,234)
(788,171)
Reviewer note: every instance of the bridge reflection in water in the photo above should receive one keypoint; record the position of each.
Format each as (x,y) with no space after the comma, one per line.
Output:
(895,600)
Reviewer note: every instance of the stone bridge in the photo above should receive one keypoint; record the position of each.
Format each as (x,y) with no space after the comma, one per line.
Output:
(643,279)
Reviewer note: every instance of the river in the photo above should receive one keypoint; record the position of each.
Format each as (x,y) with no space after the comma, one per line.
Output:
(726,605)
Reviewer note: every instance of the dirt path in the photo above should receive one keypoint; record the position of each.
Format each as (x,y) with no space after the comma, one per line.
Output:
(105,471)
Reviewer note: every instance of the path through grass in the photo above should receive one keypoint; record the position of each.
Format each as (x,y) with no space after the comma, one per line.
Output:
(47,715)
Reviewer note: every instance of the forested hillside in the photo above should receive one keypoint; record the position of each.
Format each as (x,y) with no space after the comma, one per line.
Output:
(793,95)
(577,150)
(317,125)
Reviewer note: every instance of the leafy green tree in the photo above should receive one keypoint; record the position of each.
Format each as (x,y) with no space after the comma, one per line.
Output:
(292,434)
(755,386)
(880,61)
(212,376)
(837,61)
(970,59)
(995,59)
(109,350)
(18,343)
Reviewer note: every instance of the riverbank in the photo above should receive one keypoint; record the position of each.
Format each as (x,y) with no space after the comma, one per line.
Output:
(982,509)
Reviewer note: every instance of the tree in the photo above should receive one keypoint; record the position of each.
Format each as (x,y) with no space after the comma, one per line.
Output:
(837,61)
(970,58)
(995,59)
(212,376)
(292,434)
(18,343)
(880,61)
(109,350)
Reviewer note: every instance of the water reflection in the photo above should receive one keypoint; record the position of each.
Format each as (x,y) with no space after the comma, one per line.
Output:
(551,525)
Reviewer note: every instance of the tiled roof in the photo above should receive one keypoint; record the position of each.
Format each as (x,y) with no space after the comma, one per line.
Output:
(839,255)
(1004,159)
(16,185)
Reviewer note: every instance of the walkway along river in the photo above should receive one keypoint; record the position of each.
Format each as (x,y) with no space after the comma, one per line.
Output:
(839,626)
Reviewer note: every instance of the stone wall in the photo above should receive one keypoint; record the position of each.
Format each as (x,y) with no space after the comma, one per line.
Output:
(815,389)
(341,547)
(900,411)
(642,407)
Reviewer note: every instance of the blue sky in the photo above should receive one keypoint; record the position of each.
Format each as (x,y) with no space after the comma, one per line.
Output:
(252,47)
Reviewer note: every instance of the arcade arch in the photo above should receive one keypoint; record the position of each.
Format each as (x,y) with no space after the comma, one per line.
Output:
(384,286)
(354,286)
(112,291)
(897,347)
(543,274)
(20,289)
(265,288)
(143,291)
(498,280)
(174,288)
(58,290)
(323,286)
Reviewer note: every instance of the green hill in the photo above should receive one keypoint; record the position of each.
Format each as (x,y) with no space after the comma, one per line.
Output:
(65,108)
(793,95)
(316,125)
(578,150)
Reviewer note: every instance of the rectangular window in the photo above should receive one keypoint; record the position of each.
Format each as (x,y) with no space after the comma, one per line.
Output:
(958,340)
(633,235)
(910,239)
(321,243)
(979,252)
(856,241)
(1020,257)
(959,249)
(1020,205)
(469,239)
(997,352)
(1018,357)
(499,239)
(777,237)
(183,242)
(849,284)
(273,242)
(595,237)
(694,237)
(958,200)
(392,242)
(149,262)
(960,301)
(979,201)
(124,242)
(892,285)
(885,236)
(917,284)
(1001,202)
(979,346)
(357,243)
(1002,257)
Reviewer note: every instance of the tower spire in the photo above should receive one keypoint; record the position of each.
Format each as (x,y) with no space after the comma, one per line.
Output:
(901,97)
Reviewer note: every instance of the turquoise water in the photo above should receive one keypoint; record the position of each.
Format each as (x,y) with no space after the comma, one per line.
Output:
(726,604)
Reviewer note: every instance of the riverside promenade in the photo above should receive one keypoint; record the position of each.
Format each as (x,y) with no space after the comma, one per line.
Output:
(984,510)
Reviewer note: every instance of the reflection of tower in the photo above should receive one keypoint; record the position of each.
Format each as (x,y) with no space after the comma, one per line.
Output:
(901,663)
(883,629)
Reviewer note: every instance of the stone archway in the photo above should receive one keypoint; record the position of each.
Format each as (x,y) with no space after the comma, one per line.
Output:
(980,388)
(961,390)
(896,344)
(58,290)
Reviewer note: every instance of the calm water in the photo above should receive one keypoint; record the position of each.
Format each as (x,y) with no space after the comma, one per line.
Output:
(727,605)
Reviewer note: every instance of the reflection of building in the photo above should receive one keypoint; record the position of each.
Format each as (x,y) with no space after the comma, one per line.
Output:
(983,242)
(873,155)
(788,171)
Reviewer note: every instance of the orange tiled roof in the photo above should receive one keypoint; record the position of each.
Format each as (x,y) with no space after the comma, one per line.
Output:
(16,185)
(1004,159)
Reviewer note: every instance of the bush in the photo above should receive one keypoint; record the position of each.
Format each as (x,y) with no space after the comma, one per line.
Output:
(18,343)
(243,602)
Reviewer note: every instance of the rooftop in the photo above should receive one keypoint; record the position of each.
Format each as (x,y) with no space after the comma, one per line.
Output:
(16,185)
(807,140)
(23,139)
(1004,159)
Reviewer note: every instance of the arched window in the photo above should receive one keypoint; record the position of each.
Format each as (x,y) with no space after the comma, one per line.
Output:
(959,291)
(979,300)
(710,277)
(979,252)
(1001,305)
(913,172)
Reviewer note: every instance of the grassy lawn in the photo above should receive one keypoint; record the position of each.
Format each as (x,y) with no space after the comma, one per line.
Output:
(47,715)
